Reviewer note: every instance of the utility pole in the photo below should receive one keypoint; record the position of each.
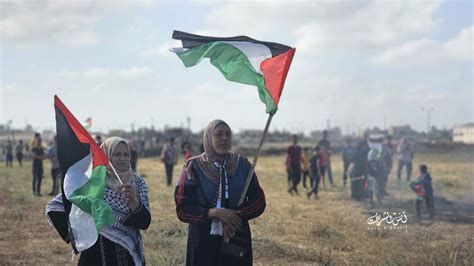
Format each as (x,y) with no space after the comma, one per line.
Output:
(428,111)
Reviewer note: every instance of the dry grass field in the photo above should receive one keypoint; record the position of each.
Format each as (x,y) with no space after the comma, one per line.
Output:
(292,230)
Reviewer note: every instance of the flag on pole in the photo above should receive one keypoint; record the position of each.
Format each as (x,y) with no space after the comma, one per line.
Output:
(83,184)
(88,123)
(241,59)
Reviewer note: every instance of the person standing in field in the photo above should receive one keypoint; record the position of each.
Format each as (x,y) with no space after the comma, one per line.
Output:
(347,157)
(405,158)
(387,166)
(38,155)
(207,197)
(359,169)
(325,145)
(9,154)
(315,172)
(120,243)
(133,157)
(98,140)
(424,191)
(19,152)
(323,165)
(169,157)
(293,165)
(55,169)
(187,152)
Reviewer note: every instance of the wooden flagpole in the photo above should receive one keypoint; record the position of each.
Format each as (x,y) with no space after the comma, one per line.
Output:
(255,159)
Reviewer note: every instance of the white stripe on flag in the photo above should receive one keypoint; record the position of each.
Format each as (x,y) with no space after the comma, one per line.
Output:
(255,52)
(82,223)
(83,228)
(77,175)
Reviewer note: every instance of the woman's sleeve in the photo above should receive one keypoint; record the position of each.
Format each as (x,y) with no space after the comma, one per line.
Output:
(57,217)
(188,207)
(254,203)
(141,217)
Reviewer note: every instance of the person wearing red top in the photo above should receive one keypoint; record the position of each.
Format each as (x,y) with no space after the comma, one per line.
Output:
(187,153)
(293,165)
(323,164)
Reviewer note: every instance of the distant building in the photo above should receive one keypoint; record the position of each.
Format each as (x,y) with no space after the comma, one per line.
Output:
(464,133)
(404,131)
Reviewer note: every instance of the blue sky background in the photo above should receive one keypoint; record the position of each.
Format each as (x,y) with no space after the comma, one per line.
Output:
(358,63)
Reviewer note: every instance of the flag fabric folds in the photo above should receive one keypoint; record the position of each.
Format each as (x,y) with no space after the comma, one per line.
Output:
(241,59)
(84,166)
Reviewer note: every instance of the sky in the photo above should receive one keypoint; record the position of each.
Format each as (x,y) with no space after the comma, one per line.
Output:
(358,63)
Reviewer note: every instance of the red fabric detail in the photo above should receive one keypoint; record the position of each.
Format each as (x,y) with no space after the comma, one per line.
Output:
(188,155)
(323,158)
(274,72)
(182,180)
(257,205)
(420,190)
(190,218)
(98,156)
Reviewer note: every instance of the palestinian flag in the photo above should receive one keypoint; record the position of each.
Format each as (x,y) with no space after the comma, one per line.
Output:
(241,59)
(83,184)
(88,123)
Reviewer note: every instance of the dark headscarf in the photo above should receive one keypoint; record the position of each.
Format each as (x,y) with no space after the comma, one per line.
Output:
(204,161)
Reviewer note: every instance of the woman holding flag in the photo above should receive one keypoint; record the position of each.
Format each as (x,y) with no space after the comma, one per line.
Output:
(207,197)
(127,195)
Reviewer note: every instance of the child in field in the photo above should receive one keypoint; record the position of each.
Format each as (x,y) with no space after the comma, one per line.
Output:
(314,166)
(424,191)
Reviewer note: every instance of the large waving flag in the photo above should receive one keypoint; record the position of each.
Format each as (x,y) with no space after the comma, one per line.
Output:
(83,186)
(241,59)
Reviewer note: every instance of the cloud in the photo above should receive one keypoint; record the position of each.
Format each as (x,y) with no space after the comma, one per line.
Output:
(70,23)
(321,26)
(426,51)
(161,50)
(99,73)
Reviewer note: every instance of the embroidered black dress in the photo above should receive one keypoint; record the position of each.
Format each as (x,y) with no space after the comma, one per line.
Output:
(194,197)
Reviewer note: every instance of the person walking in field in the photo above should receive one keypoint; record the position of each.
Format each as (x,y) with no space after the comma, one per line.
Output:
(169,157)
(19,152)
(359,169)
(293,165)
(315,171)
(55,169)
(9,154)
(325,145)
(38,154)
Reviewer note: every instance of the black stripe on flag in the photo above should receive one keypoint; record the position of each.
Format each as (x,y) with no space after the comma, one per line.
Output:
(192,40)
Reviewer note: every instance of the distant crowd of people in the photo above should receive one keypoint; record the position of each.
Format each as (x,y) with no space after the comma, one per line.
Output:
(367,166)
